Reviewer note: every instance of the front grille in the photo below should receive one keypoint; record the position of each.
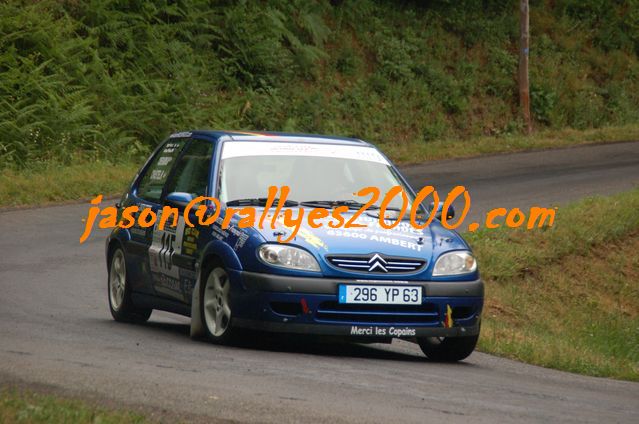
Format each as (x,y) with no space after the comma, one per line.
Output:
(376,263)
(331,311)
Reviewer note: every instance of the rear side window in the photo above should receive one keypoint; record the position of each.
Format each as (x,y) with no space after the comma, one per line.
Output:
(191,173)
(152,183)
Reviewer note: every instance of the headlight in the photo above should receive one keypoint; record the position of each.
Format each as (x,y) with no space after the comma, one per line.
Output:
(288,257)
(454,263)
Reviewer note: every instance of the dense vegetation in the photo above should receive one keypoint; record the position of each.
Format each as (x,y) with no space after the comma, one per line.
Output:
(86,80)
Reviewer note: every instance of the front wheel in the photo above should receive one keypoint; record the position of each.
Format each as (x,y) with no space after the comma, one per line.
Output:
(215,305)
(120,303)
(448,349)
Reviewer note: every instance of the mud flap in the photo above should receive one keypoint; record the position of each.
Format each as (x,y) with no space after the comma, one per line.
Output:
(197,329)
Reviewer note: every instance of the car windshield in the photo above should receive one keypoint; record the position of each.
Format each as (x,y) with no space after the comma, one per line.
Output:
(314,172)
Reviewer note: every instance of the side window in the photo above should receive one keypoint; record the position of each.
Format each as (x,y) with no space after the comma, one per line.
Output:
(191,173)
(152,183)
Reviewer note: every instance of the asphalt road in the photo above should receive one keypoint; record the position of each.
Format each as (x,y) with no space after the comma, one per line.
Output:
(56,331)
(540,178)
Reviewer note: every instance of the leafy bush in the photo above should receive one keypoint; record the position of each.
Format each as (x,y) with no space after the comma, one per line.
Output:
(543,102)
(395,57)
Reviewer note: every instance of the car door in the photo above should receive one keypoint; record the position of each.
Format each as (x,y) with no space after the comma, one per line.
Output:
(173,249)
(147,195)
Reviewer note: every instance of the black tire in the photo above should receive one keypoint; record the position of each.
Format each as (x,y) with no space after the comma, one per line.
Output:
(121,305)
(222,331)
(448,349)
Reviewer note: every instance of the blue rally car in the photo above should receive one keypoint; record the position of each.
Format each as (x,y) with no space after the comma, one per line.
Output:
(369,284)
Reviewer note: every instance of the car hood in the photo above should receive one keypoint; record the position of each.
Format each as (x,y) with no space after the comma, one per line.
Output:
(402,240)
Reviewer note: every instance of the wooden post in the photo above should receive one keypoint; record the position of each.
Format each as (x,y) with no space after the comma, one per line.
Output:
(524,91)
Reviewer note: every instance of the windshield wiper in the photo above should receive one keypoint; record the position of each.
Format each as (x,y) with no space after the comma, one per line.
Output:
(351,204)
(259,201)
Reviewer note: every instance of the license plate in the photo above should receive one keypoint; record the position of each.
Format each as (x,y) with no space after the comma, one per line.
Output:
(380,295)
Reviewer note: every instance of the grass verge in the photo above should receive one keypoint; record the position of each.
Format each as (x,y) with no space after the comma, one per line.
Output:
(548,139)
(58,183)
(18,406)
(566,297)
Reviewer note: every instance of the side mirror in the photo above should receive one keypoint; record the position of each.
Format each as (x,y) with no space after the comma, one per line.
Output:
(440,209)
(178,199)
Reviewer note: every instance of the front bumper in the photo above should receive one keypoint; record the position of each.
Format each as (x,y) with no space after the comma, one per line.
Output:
(309,306)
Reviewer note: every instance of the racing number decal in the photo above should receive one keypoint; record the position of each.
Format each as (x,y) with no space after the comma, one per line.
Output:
(165,257)
(165,243)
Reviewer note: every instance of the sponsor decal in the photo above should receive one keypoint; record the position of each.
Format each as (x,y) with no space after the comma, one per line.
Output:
(164,160)
(241,238)
(310,238)
(262,148)
(219,232)
(372,330)
(403,240)
(189,245)
(158,174)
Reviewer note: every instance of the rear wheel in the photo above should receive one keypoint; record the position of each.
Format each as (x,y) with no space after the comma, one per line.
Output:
(215,305)
(448,349)
(120,304)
